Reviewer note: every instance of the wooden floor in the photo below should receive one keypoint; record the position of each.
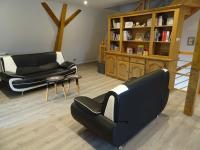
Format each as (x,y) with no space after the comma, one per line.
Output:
(30,123)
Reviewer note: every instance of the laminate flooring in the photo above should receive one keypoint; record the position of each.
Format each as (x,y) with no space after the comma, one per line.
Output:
(28,122)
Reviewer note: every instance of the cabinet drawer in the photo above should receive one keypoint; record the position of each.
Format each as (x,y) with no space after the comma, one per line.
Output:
(137,60)
(155,65)
(122,58)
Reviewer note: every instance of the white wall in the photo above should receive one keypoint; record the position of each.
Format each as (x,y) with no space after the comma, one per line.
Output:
(26,28)
(189,30)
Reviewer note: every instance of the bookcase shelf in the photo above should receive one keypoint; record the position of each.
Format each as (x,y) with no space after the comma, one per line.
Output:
(145,27)
(115,29)
(162,42)
(134,41)
(164,26)
(140,42)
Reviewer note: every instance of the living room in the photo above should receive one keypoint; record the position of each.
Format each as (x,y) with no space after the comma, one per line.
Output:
(85,74)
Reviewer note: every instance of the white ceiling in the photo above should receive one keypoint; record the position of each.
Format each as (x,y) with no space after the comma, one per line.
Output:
(99,3)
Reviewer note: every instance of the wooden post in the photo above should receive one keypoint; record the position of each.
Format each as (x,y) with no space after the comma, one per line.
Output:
(61,27)
(194,78)
(61,24)
(199,86)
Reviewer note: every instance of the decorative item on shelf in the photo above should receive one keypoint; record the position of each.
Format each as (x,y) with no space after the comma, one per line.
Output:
(145,53)
(143,25)
(149,20)
(128,36)
(129,50)
(116,25)
(115,36)
(129,24)
(137,24)
(170,21)
(139,36)
(140,49)
(114,47)
(147,36)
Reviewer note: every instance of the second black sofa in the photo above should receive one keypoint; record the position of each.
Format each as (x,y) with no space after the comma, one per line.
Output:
(122,112)
(25,72)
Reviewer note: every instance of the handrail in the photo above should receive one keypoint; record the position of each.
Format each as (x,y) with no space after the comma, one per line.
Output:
(184,66)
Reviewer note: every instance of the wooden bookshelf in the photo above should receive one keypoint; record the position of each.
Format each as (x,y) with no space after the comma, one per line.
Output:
(148,40)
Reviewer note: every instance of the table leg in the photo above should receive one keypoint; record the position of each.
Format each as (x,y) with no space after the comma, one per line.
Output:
(69,85)
(64,90)
(78,87)
(56,90)
(47,92)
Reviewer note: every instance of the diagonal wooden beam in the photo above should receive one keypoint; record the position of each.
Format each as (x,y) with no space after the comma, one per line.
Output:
(60,23)
(72,17)
(59,38)
(51,14)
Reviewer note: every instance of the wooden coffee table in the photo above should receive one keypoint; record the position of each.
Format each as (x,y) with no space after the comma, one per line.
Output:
(75,78)
(61,79)
(55,80)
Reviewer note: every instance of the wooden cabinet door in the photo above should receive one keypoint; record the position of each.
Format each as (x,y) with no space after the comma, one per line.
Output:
(136,70)
(152,65)
(122,70)
(111,68)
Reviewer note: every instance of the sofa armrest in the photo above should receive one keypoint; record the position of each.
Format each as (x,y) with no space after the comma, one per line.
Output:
(67,65)
(88,104)
(99,124)
(12,75)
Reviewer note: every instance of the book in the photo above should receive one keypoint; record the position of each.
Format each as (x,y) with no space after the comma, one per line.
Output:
(165,36)
(160,20)
(168,36)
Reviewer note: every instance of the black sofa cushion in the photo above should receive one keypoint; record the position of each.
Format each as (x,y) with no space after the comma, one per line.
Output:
(37,69)
(34,63)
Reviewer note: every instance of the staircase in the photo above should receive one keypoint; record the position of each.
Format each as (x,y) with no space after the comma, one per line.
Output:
(183,72)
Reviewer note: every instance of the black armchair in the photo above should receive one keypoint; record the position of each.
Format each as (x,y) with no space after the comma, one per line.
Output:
(122,112)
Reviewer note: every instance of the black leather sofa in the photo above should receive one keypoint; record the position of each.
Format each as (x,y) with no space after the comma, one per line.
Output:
(26,72)
(121,113)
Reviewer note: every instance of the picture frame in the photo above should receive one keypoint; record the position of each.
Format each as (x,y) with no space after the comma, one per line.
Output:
(191,41)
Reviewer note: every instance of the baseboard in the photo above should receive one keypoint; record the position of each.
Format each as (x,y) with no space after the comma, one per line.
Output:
(80,62)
